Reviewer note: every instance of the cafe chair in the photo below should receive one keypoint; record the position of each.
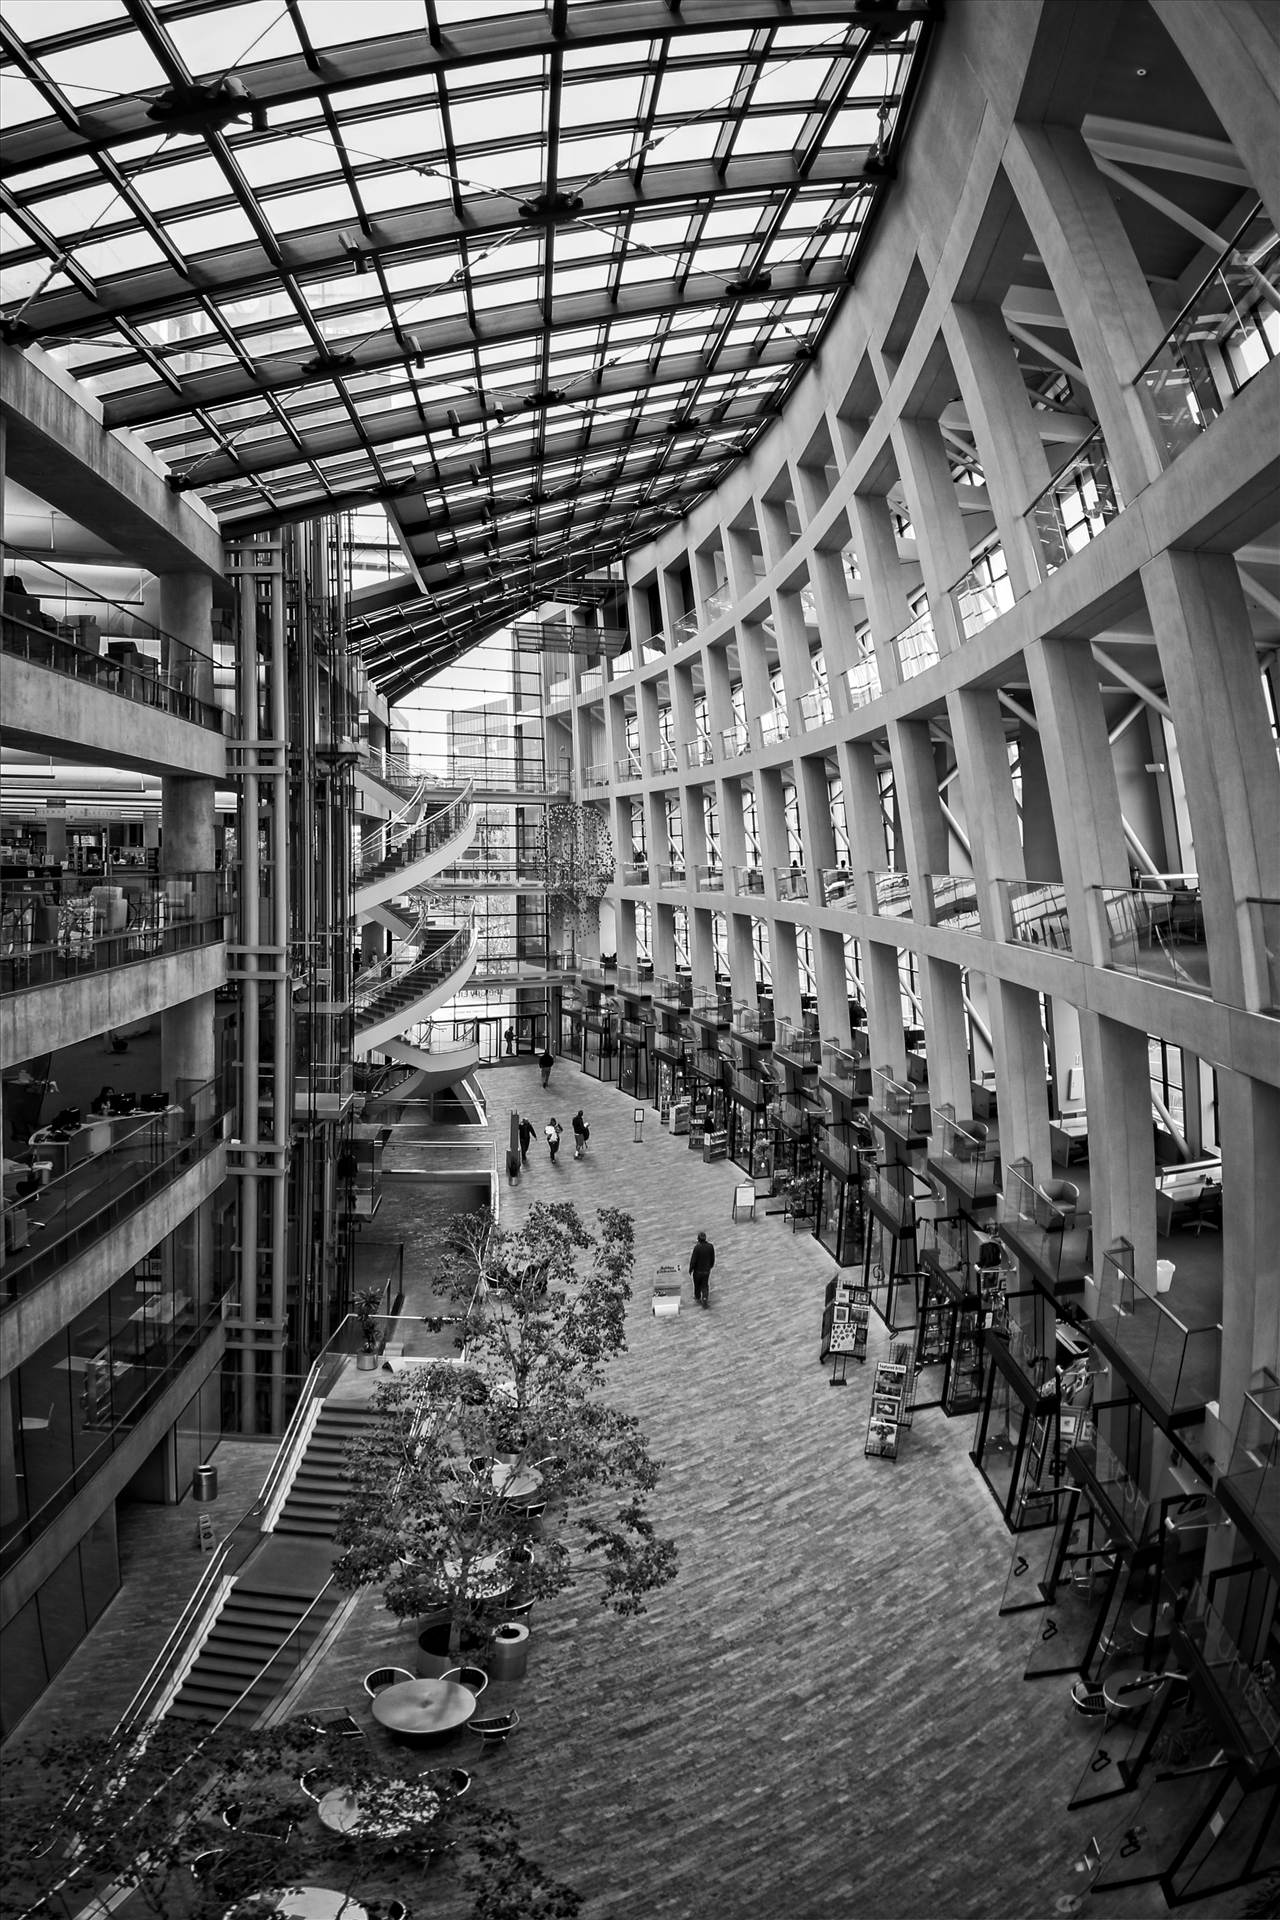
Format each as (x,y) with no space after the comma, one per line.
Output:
(231,1815)
(316,1782)
(526,1514)
(335,1723)
(1089,1700)
(1063,1197)
(458,1781)
(205,1864)
(397,1910)
(496,1730)
(383,1677)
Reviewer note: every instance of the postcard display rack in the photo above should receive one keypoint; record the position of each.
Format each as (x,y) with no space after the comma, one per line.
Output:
(890,1403)
(846,1311)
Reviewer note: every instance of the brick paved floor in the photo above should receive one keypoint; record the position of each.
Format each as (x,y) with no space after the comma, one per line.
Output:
(825,1714)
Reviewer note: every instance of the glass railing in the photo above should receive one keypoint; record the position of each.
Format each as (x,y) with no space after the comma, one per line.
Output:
(323,1088)
(1249,1687)
(983,593)
(662,759)
(916,646)
(790,883)
(635,874)
(670,876)
(67,926)
(709,879)
(972,1164)
(399,986)
(699,752)
(1035,914)
(1046,1230)
(412,843)
(753,1024)
(735,741)
(793,1043)
(773,727)
(592,681)
(629,767)
(893,1099)
(890,1187)
(717,603)
(1178,1364)
(946,1242)
(90,1178)
(838,887)
(673,991)
(153,669)
(1226,333)
(862,683)
(890,893)
(638,979)
(1077,504)
(1116,1482)
(597,776)
(1254,1473)
(953,901)
(1157,933)
(748,880)
(814,709)
(713,1003)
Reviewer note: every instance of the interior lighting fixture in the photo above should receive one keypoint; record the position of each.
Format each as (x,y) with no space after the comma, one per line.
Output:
(325,363)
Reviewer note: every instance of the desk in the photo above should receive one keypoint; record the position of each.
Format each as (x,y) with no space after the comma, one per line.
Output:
(1068,1139)
(302,1903)
(423,1706)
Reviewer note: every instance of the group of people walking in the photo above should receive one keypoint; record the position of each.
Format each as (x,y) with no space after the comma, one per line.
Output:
(553,1133)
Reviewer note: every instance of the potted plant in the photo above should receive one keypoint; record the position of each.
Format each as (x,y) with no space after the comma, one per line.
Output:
(365,1307)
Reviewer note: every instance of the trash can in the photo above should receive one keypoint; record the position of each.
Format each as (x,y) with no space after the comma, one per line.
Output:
(508,1651)
(204,1483)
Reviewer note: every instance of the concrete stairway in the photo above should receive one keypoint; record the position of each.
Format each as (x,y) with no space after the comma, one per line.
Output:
(247,1643)
(319,1491)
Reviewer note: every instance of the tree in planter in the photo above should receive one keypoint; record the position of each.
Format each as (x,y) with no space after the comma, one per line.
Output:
(428,1519)
(365,1307)
(91,1812)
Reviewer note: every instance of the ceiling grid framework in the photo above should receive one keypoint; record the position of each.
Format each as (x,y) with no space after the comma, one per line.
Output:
(530,277)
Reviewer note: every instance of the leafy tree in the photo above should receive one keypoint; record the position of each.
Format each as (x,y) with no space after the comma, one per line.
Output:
(89,1813)
(544,1312)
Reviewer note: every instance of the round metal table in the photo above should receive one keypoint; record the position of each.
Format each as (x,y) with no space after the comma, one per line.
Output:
(423,1706)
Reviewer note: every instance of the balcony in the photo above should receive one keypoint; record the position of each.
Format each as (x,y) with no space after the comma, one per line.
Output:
(67,926)
(1156,932)
(709,879)
(983,593)
(748,880)
(628,767)
(917,646)
(899,1109)
(953,902)
(324,1091)
(636,874)
(663,759)
(814,709)
(165,679)
(862,683)
(1172,1367)
(964,1159)
(596,776)
(1079,501)
(1263,919)
(1049,1235)
(1225,334)
(699,752)
(671,877)
(676,994)
(103,1172)
(890,894)
(773,727)
(790,883)
(558,636)
(591,682)
(735,741)
(1034,913)
(837,887)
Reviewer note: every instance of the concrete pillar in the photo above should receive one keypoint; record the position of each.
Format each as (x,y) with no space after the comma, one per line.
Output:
(982,754)
(1018,1042)
(1081,778)
(1249,1126)
(1121,1144)
(1004,427)
(1225,747)
(925,837)
(947,1036)
(1233,49)
(882,580)
(942,540)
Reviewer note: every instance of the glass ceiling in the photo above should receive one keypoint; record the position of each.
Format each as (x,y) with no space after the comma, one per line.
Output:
(529,277)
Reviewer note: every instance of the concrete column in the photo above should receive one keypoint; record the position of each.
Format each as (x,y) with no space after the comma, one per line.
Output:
(947,1036)
(187,811)
(1004,427)
(793,646)
(982,754)
(1081,778)
(882,579)
(835,621)
(1227,754)
(1122,1164)
(926,841)
(1233,49)
(1114,322)
(1018,1042)
(942,540)
(833,992)
(1249,1125)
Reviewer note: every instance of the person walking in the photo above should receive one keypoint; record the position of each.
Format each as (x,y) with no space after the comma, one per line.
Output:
(546,1063)
(581,1135)
(526,1138)
(701,1261)
(509,1039)
(552,1131)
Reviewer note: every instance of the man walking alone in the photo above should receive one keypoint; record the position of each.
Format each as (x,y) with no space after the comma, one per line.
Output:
(546,1063)
(526,1138)
(701,1261)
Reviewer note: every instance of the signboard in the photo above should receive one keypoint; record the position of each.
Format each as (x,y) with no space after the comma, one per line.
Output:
(716,1145)
(680,1114)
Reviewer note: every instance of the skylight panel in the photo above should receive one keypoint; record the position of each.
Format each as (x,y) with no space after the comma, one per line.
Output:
(507,168)
(394,136)
(124,253)
(320,206)
(769,133)
(203,233)
(687,140)
(212,43)
(855,127)
(21,103)
(34,20)
(338,26)
(480,119)
(591,104)
(784,82)
(582,159)
(197,179)
(119,65)
(518,292)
